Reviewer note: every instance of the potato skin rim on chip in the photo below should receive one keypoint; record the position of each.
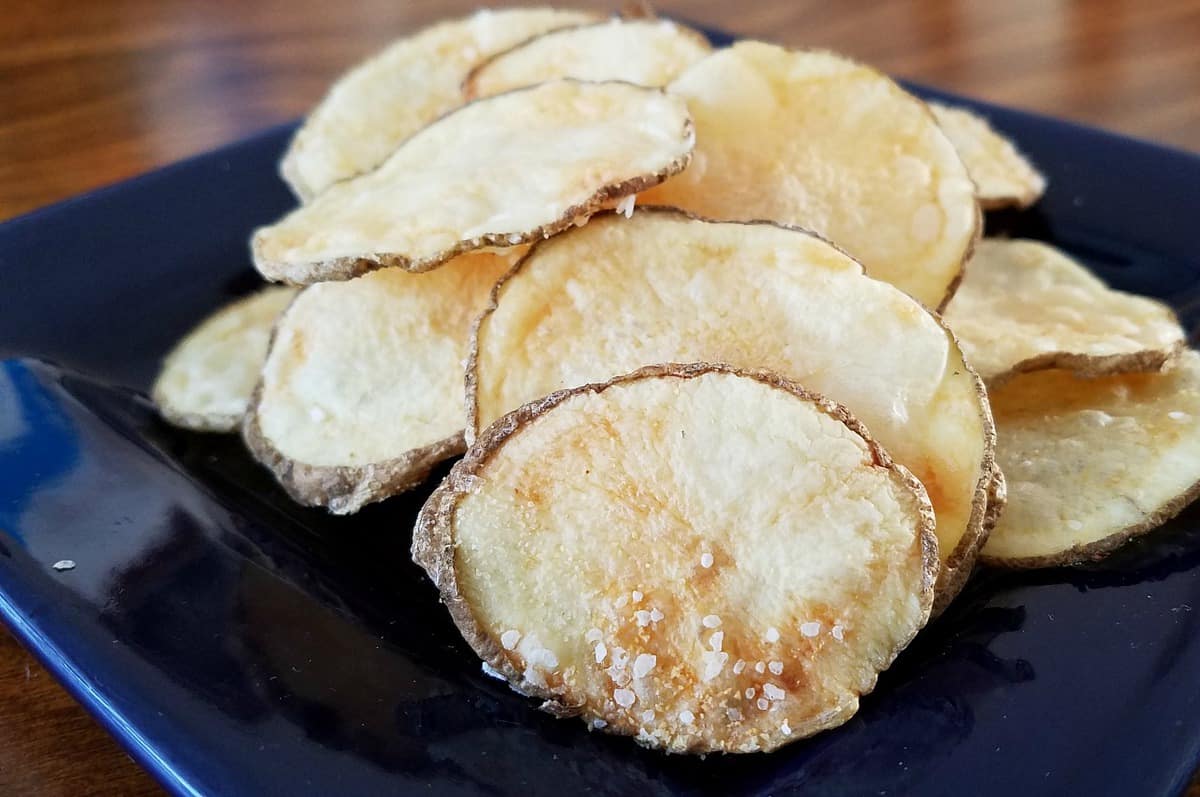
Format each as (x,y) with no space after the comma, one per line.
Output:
(468,83)
(1091,366)
(433,546)
(349,267)
(341,489)
(959,563)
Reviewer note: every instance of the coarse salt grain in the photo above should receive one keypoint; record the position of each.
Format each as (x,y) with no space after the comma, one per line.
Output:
(601,652)
(655,615)
(716,640)
(643,664)
(647,716)
(543,657)
(1176,415)
(763,704)
(625,206)
(599,723)
(492,672)
(515,238)
(593,635)
(622,601)
(776,667)
(619,657)
(734,714)
(643,617)
(711,621)
(785,729)
(739,667)
(64,564)
(510,638)
(706,559)
(839,633)
(637,596)
(772,634)
(624,697)
(713,662)
(759,667)
(686,717)
(750,693)
(810,629)
(773,692)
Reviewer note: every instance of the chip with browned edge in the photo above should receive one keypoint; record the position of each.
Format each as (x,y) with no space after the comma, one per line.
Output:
(501,171)
(618,293)
(831,145)
(704,559)
(1091,463)
(1003,177)
(362,391)
(1026,306)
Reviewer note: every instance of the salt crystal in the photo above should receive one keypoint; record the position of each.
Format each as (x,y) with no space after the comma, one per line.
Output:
(773,692)
(655,615)
(492,672)
(643,664)
(776,667)
(647,716)
(593,635)
(601,652)
(716,640)
(509,639)
(711,621)
(643,617)
(637,596)
(810,629)
(686,717)
(759,667)
(1176,415)
(739,667)
(706,559)
(785,729)
(599,723)
(64,564)
(624,697)
(772,634)
(838,633)
(763,704)
(750,693)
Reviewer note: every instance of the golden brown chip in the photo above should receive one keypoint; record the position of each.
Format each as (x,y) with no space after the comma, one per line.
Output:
(383,101)
(206,381)
(1003,177)
(362,391)
(706,559)
(661,286)
(646,52)
(501,171)
(816,140)
(1093,462)
(1025,306)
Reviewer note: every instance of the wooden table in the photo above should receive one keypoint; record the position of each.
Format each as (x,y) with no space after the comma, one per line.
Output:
(91,93)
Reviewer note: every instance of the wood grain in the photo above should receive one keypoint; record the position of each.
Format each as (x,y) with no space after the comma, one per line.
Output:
(91,93)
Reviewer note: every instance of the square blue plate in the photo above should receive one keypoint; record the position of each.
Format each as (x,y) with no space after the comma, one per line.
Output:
(236,643)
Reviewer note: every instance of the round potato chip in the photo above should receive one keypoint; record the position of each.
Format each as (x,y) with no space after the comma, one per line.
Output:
(1003,177)
(501,171)
(1025,306)
(206,381)
(662,286)
(384,100)
(362,391)
(1091,463)
(706,559)
(816,140)
(645,52)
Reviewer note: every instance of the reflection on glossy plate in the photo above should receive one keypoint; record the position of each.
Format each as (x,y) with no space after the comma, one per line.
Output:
(235,642)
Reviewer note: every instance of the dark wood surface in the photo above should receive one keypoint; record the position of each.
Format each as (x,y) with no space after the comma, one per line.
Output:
(91,93)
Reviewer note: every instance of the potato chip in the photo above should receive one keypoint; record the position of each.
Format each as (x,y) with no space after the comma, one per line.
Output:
(816,140)
(501,171)
(1025,306)
(1003,177)
(705,559)
(362,391)
(661,286)
(386,99)
(645,52)
(206,381)
(1093,462)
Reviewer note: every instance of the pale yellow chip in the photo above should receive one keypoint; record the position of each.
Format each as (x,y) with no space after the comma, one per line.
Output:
(206,381)
(816,140)
(1026,306)
(501,171)
(645,52)
(619,293)
(362,392)
(1003,177)
(1093,462)
(705,560)
(383,101)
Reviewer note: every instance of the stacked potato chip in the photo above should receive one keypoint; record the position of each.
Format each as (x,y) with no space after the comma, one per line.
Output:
(724,458)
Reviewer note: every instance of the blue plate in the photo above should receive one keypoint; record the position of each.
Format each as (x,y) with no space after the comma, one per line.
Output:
(236,643)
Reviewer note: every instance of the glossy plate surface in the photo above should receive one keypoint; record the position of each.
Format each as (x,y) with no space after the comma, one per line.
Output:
(236,643)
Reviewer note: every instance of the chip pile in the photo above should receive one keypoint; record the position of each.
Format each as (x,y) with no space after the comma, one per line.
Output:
(678,310)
